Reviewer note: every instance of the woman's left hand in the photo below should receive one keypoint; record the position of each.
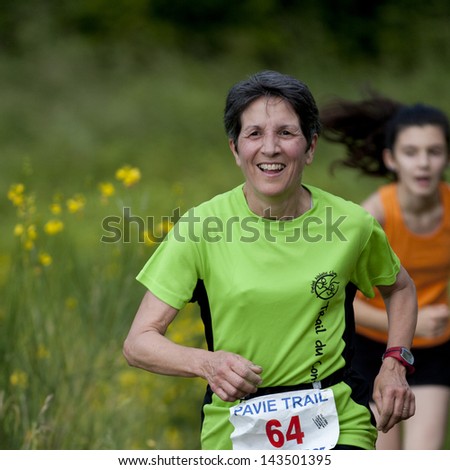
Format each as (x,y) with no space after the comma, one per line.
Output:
(392,395)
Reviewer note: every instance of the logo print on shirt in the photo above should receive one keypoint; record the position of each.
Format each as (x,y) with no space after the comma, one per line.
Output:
(324,285)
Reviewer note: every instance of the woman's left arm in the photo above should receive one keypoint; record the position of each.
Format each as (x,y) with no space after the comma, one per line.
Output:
(392,394)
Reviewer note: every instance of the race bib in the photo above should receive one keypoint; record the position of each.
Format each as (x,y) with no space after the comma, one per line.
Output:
(303,419)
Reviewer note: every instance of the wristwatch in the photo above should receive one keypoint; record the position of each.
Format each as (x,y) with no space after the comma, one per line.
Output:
(403,355)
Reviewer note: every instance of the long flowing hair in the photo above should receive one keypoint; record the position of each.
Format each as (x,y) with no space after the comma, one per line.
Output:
(369,126)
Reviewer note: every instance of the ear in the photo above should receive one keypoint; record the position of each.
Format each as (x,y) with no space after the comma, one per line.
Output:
(311,150)
(389,160)
(235,152)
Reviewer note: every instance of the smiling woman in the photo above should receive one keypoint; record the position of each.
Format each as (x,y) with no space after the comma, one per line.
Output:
(276,307)
(272,152)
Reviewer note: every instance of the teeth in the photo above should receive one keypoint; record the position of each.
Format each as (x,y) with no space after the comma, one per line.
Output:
(271,166)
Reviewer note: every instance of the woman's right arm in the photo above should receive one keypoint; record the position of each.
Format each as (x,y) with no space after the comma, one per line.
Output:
(230,376)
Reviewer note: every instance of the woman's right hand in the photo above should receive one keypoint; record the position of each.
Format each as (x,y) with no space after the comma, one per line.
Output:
(230,376)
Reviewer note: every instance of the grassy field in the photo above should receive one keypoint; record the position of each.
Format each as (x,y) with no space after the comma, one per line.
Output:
(80,140)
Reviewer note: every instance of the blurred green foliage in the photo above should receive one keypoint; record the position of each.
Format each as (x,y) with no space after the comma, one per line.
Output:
(357,29)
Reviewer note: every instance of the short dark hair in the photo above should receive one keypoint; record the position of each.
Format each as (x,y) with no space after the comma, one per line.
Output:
(270,83)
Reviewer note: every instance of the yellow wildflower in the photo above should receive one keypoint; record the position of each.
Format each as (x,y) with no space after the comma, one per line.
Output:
(164,227)
(106,189)
(128,379)
(174,437)
(76,203)
(45,259)
(71,303)
(177,337)
(19,230)
(19,379)
(28,245)
(31,235)
(150,443)
(42,352)
(31,232)
(128,175)
(30,204)
(53,226)
(55,208)
(16,194)
(148,239)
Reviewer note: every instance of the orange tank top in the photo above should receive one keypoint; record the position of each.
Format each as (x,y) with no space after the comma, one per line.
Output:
(426,257)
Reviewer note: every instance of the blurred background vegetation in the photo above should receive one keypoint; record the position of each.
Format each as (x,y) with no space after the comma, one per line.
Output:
(92,90)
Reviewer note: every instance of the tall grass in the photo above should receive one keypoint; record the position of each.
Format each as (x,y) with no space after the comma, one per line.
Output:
(68,121)
(64,383)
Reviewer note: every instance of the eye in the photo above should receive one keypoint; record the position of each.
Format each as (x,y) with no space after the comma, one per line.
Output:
(409,151)
(252,133)
(436,151)
(289,131)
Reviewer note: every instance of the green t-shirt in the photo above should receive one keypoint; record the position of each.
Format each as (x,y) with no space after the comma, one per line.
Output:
(276,289)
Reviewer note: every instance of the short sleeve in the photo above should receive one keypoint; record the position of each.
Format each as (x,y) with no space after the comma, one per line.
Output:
(377,264)
(172,271)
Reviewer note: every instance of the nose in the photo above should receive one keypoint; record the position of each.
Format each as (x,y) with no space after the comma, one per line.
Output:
(270,144)
(424,159)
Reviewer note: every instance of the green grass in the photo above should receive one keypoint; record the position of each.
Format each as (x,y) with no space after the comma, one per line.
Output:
(67,123)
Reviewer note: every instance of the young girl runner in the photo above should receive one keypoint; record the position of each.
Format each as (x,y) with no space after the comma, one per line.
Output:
(410,146)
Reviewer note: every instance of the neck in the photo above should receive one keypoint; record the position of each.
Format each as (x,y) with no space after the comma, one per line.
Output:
(417,205)
(280,208)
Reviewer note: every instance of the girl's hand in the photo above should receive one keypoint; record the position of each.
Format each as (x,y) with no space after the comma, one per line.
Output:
(432,320)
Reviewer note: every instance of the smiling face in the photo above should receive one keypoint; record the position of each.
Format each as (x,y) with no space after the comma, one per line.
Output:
(272,152)
(419,158)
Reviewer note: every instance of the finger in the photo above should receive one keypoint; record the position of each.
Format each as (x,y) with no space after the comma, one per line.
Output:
(254,375)
(256,369)
(388,421)
(409,407)
(248,371)
(413,404)
(229,392)
(224,395)
(405,411)
(383,420)
(383,415)
(236,386)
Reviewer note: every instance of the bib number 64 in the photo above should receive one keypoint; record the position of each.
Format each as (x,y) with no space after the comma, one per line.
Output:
(276,436)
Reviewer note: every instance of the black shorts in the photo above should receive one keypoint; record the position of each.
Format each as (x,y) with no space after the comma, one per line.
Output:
(432,364)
